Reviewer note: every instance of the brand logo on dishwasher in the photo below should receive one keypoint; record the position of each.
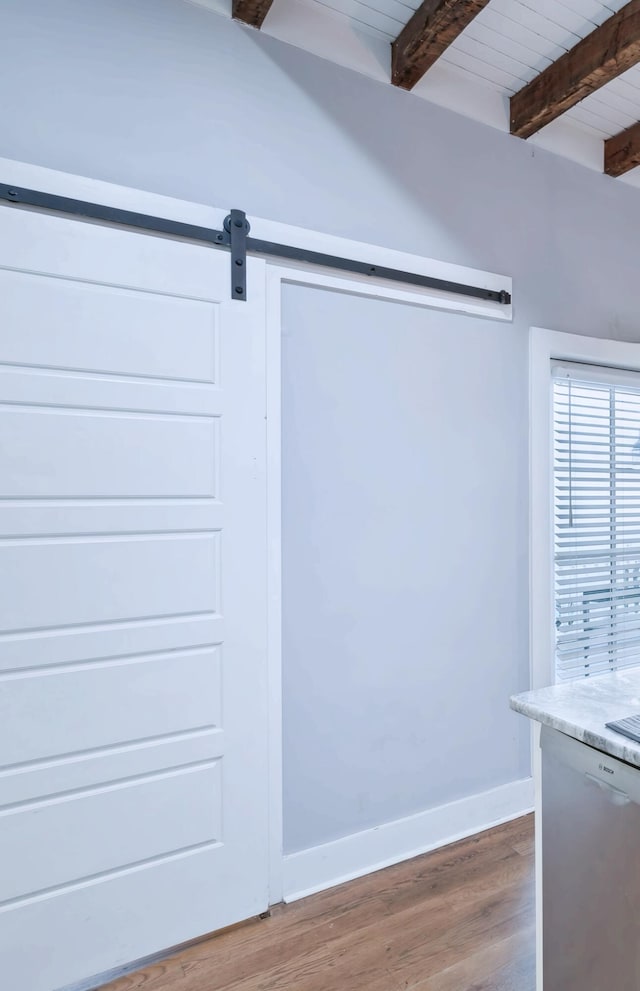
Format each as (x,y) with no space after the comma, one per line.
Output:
(607,770)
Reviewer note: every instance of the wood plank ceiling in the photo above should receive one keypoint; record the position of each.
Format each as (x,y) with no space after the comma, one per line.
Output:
(579,59)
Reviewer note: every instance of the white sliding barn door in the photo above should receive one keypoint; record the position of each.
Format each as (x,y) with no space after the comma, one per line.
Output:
(133,779)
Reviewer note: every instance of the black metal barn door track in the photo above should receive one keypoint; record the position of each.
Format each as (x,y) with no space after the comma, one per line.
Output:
(234,238)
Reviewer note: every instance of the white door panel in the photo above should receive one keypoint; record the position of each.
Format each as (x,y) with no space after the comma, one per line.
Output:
(128,822)
(113,763)
(111,256)
(52,452)
(64,581)
(132,332)
(54,390)
(152,696)
(133,782)
(124,904)
(42,648)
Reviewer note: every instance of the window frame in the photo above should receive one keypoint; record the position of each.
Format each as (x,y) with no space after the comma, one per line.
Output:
(601,594)
(546,346)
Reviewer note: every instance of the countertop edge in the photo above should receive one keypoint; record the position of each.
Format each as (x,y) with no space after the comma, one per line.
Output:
(614,745)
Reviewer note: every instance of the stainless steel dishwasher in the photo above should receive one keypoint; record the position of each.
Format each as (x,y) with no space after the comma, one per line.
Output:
(590,868)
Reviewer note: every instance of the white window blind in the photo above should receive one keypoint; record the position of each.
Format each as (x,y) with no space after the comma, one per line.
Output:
(596,422)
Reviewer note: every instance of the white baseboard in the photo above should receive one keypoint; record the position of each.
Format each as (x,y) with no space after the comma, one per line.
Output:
(362,853)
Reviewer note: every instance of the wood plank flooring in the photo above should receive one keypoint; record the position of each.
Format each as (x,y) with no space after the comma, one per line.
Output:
(458,919)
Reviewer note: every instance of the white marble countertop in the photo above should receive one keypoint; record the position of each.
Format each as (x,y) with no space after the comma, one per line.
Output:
(581,708)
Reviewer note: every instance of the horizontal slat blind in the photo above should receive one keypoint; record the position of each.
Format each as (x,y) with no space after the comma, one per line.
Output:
(596,425)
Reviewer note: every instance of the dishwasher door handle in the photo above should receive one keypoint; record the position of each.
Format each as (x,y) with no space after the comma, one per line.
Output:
(615,795)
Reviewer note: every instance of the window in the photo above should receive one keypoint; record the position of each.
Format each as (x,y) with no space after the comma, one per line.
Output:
(596,424)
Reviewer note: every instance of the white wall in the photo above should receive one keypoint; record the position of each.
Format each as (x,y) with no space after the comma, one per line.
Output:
(404,561)
(162,95)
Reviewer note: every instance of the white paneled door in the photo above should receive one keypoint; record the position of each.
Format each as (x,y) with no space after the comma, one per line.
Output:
(133,722)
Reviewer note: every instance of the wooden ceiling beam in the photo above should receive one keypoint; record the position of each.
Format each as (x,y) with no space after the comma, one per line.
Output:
(622,151)
(427,35)
(252,12)
(603,55)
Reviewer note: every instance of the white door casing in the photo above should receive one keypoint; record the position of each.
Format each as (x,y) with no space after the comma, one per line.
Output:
(133,682)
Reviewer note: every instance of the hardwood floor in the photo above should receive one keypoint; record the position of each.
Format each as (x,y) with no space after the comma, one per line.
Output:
(458,919)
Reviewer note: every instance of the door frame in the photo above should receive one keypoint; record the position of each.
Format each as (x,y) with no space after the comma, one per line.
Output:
(140,201)
(278,276)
